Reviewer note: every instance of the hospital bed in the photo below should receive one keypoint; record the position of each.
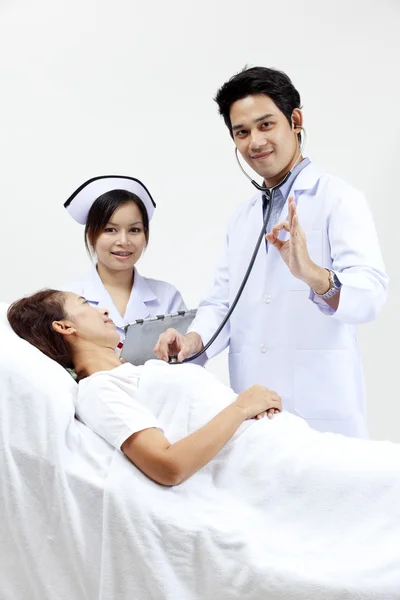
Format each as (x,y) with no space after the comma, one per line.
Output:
(80,522)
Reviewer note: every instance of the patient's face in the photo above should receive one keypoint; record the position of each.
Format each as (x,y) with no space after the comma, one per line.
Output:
(91,323)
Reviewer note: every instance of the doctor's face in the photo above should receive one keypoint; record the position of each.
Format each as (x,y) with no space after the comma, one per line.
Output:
(123,240)
(89,323)
(264,136)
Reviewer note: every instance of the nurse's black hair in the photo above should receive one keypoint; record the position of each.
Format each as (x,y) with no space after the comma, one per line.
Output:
(258,80)
(101,211)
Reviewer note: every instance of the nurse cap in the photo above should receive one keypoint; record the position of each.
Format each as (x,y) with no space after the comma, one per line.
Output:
(80,202)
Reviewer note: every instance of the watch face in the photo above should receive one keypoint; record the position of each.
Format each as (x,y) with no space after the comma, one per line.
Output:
(336,281)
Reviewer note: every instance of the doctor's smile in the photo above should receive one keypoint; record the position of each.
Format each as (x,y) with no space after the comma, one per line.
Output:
(261,155)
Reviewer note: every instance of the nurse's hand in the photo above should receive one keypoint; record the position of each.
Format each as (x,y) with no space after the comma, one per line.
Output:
(173,343)
(294,250)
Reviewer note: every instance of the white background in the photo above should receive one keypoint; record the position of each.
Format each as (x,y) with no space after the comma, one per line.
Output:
(91,87)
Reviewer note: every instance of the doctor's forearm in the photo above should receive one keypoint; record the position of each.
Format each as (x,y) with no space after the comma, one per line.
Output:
(361,297)
(208,319)
(195,341)
(334,301)
(318,280)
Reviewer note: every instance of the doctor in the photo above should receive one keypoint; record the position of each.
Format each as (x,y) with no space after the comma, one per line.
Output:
(116,211)
(317,276)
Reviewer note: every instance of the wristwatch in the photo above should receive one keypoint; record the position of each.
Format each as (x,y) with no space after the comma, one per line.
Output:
(334,286)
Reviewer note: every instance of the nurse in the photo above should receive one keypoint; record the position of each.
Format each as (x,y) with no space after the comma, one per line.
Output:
(116,212)
(317,276)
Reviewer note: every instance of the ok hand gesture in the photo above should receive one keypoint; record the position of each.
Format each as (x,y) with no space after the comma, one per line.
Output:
(294,250)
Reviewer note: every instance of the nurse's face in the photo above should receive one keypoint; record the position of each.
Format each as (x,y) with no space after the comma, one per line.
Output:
(264,137)
(123,240)
(87,322)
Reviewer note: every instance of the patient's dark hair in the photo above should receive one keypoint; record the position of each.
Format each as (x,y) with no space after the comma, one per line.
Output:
(258,80)
(31,318)
(102,209)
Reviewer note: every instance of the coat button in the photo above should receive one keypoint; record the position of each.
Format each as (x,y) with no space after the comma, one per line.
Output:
(267,298)
(264,348)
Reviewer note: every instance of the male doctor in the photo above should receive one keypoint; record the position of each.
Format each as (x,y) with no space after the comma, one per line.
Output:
(318,274)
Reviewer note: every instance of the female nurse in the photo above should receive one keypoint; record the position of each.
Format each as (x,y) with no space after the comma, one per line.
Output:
(116,211)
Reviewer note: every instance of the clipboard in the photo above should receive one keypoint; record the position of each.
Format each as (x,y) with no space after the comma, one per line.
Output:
(141,336)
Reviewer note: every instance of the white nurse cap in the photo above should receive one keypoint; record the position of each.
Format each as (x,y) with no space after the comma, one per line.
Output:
(80,202)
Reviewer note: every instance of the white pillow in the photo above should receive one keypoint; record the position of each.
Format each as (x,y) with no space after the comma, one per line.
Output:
(36,386)
(53,472)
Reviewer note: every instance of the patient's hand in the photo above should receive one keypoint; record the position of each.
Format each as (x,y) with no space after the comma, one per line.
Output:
(258,400)
(173,343)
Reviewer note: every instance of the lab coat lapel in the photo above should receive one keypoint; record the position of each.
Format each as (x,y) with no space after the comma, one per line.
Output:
(255,223)
(95,293)
(140,295)
(306,181)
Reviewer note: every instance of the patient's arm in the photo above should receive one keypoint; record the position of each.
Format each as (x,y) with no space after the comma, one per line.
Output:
(170,464)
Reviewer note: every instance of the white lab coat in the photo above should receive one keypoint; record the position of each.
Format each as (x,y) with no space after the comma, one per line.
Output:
(282,336)
(149,298)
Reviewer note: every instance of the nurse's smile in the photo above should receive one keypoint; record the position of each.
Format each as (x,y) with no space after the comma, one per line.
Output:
(122,255)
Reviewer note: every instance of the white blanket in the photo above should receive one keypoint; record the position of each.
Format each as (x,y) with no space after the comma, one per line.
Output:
(283,512)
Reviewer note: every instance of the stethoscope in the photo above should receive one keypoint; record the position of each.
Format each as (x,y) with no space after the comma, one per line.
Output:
(269,194)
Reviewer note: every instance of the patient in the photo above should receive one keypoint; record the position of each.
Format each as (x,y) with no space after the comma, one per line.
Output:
(275,509)
(78,336)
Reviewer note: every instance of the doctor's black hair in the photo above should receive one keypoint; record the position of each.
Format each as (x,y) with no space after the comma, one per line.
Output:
(102,209)
(258,80)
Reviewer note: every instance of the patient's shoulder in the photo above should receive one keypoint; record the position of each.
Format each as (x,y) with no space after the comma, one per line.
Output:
(125,373)
(108,403)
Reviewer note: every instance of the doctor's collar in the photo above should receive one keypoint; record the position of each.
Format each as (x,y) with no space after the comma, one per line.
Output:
(81,200)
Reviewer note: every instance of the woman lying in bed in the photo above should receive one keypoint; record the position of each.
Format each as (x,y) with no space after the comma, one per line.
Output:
(123,404)
(79,336)
(294,512)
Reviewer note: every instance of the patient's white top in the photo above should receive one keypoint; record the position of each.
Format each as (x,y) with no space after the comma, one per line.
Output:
(107,403)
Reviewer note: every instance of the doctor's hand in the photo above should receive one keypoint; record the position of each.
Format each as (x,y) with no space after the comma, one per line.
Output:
(294,250)
(173,343)
(257,401)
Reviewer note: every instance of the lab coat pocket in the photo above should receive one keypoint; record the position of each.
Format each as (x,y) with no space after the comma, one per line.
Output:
(324,384)
(235,360)
(314,247)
